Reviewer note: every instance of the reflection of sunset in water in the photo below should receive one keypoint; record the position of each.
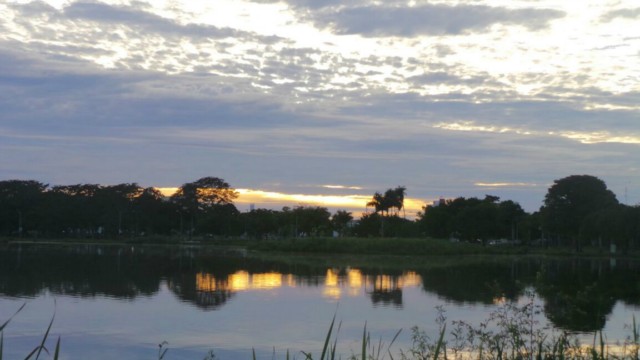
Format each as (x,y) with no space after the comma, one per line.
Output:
(242,280)
(499,300)
(331,278)
(393,282)
(337,282)
(206,282)
(354,278)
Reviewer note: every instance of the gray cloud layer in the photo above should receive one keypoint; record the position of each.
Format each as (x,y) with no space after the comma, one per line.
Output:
(259,109)
(430,19)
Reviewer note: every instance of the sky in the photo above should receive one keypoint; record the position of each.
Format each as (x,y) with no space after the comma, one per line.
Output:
(323,99)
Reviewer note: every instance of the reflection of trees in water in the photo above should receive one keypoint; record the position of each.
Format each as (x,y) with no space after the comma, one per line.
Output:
(387,297)
(386,289)
(483,283)
(186,288)
(584,310)
(84,271)
(578,294)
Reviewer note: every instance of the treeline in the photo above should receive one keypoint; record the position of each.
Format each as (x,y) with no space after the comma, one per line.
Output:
(473,219)
(30,208)
(578,210)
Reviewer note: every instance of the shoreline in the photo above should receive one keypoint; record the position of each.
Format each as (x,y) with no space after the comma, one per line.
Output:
(402,247)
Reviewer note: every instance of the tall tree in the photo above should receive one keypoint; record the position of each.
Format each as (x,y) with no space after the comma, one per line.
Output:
(510,214)
(19,201)
(204,193)
(472,219)
(260,223)
(115,205)
(399,195)
(341,220)
(153,214)
(312,220)
(379,202)
(569,201)
(391,199)
(78,207)
(202,196)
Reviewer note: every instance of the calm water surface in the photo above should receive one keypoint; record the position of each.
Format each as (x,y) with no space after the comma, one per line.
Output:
(121,302)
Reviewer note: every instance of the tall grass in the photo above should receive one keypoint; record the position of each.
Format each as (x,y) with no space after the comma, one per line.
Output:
(511,332)
(368,350)
(37,351)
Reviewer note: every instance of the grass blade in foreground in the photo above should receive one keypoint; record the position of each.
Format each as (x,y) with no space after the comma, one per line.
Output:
(326,341)
(440,342)
(56,353)
(11,317)
(364,342)
(38,349)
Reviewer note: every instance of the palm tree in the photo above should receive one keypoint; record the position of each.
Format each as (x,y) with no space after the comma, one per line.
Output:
(400,193)
(379,203)
(392,198)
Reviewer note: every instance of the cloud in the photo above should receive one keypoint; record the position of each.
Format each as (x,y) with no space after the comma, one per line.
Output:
(122,15)
(110,93)
(504,184)
(451,80)
(341,187)
(594,137)
(308,4)
(429,19)
(632,13)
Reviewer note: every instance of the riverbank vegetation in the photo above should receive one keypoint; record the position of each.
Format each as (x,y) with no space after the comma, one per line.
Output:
(512,331)
(578,212)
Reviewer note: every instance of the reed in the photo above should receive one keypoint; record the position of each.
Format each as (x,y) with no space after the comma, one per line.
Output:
(37,351)
(509,333)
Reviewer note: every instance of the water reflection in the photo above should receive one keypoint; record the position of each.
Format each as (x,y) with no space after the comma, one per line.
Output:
(486,283)
(581,299)
(242,280)
(578,294)
(383,289)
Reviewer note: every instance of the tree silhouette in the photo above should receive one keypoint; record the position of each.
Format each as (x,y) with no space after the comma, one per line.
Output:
(201,196)
(569,201)
(19,200)
(340,221)
(391,199)
(472,219)
(396,198)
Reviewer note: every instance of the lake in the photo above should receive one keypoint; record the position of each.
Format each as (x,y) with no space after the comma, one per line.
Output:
(121,302)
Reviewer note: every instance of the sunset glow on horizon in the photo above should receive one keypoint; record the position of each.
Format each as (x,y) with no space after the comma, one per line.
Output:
(277,200)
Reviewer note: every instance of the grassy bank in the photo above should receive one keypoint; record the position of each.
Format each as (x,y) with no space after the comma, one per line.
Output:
(411,246)
(329,245)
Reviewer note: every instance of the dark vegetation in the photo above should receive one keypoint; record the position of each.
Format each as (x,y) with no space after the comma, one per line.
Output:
(578,211)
